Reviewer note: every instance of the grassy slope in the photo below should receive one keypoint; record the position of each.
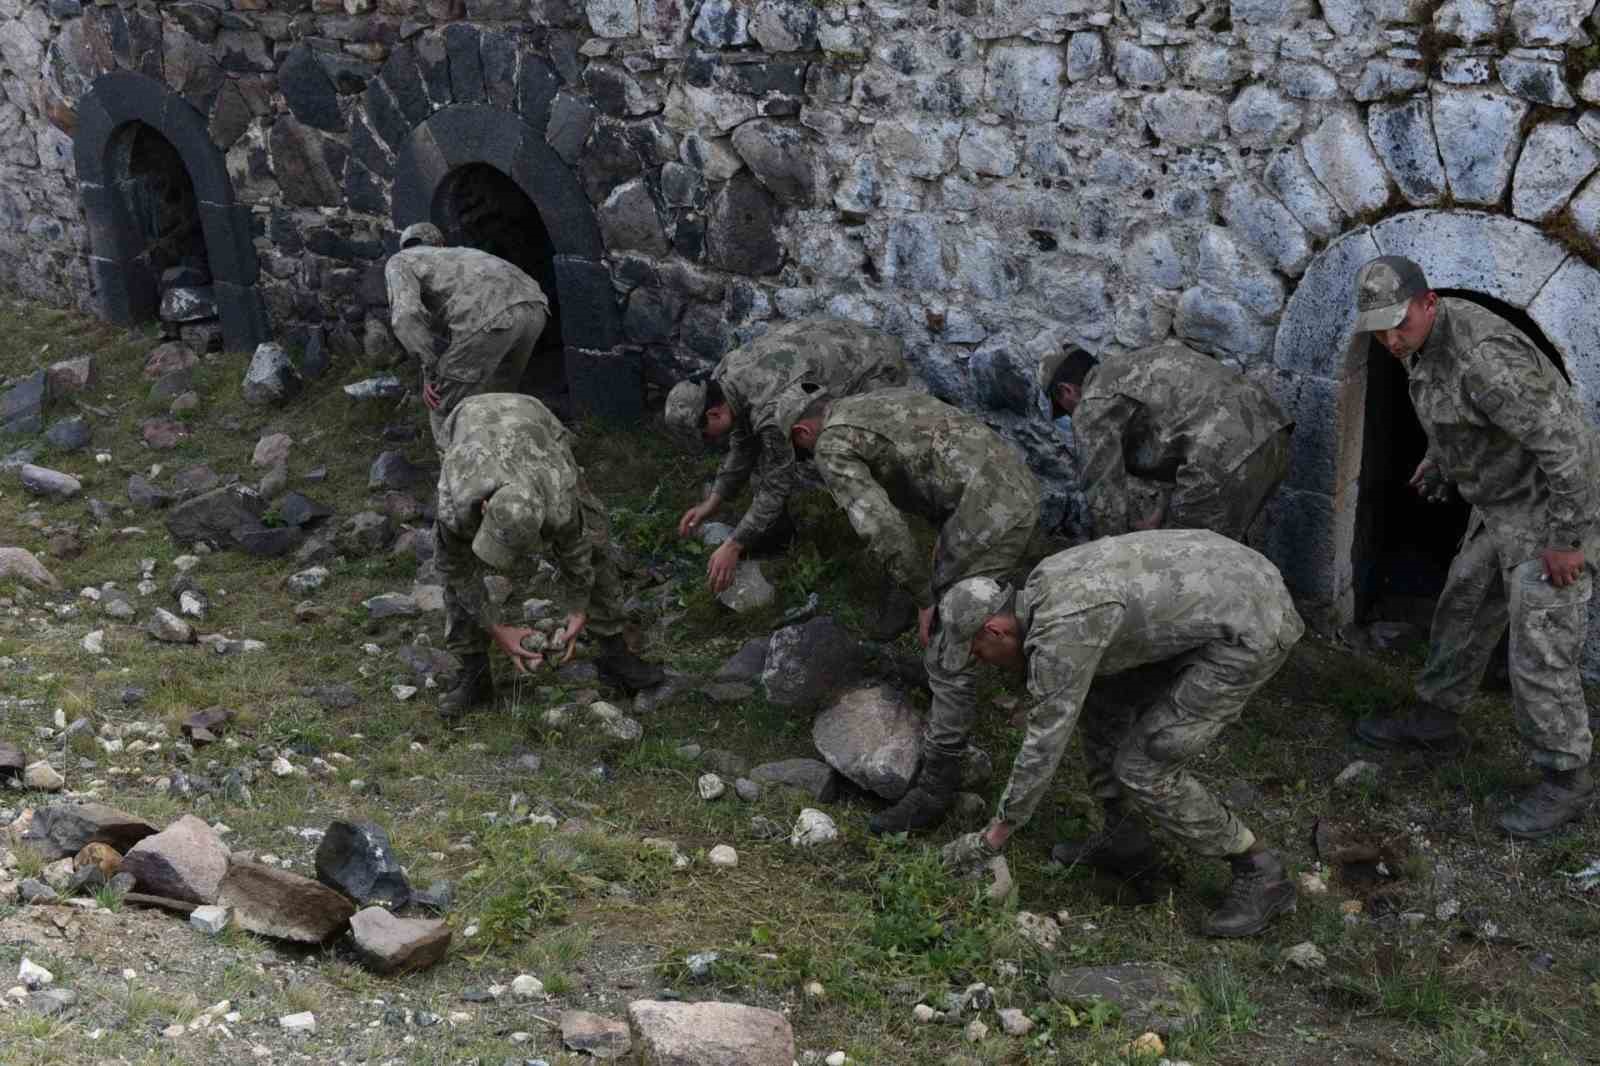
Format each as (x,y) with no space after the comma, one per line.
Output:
(601,919)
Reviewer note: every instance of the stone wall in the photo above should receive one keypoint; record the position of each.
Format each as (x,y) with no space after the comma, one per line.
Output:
(986,178)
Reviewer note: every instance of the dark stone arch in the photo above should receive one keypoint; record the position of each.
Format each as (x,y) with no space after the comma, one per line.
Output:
(601,378)
(124,289)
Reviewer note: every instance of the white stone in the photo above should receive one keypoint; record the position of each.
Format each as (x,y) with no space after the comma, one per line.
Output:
(837,1058)
(526,986)
(1357,773)
(282,767)
(1139,67)
(613,723)
(1014,1022)
(723,855)
(710,786)
(42,777)
(1470,20)
(1342,158)
(33,976)
(210,919)
(975,1031)
(1230,270)
(1023,81)
(923,1014)
(1402,133)
(1259,220)
(94,642)
(613,18)
(1261,116)
(1313,885)
(1184,116)
(302,1022)
(1211,322)
(812,827)
(750,590)
(1040,930)
(1478,133)
(1306,955)
(1555,161)
(403,692)
(1550,22)
(920,148)
(1289,179)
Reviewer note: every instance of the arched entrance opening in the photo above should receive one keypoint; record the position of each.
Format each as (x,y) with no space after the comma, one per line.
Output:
(481,207)
(164,213)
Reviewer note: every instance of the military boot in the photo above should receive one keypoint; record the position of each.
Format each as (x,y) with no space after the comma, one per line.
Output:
(1261,890)
(1560,798)
(1425,726)
(927,802)
(1123,847)
(474,686)
(620,666)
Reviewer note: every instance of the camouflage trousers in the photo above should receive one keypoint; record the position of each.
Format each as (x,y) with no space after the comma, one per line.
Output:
(1144,727)
(491,360)
(955,692)
(464,636)
(1229,503)
(1480,599)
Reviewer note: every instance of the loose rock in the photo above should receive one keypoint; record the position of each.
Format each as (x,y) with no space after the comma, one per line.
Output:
(873,737)
(388,944)
(593,1035)
(357,859)
(710,1034)
(812,828)
(279,904)
(42,777)
(186,861)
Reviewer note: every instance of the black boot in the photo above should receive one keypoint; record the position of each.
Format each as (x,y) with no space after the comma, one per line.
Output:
(927,802)
(474,686)
(1425,727)
(620,666)
(1123,847)
(1261,890)
(1560,798)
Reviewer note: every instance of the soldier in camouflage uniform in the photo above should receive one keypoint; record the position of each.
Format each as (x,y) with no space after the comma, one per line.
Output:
(1506,432)
(1213,439)
(1189,625)
(902,450)
(508,487)
(489,313)
(737,402)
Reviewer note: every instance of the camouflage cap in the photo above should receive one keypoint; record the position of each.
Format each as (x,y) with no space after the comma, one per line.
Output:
(510,528)
(421,233)
(686,407)
(1383,289)
(792,403)
(965,607)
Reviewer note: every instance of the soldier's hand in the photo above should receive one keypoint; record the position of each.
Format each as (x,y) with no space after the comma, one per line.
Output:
(569,635)
(925,625)
(430,396)
(694,516)
(1562,568)
(509,640)
(1421,476)
(965,852)
(724,562)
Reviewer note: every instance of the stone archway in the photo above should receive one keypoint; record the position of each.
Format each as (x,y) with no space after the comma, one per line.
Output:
(124,289)
(601,378)
(1313,528)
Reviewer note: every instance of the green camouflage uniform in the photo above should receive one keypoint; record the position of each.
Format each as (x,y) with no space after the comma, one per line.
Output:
(499,439)
(1178,417)
(1506,429)
(1188,625)
(902,450)
(490,312)
(842,357)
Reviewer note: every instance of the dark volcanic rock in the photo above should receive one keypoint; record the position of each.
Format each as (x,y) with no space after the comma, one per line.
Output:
(214,516)
(62,831)
(357,859)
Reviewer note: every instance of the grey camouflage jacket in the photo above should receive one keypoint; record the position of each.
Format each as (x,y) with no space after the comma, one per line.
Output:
(459,292)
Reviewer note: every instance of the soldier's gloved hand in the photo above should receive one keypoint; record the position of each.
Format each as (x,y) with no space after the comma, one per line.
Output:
(965,852)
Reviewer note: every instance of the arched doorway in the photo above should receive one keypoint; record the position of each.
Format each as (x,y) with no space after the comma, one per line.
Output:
(1328,530)
(164,212)
(480,207)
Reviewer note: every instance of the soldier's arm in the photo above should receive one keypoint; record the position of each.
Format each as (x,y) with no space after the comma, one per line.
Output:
(1098,427)
(778,479)
(873,516)
(464,573)
(744,449)
(1506,383)
(407,317)
(1060,669)
(574,550)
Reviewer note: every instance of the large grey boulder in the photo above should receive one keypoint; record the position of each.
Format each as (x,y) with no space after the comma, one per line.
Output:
(186,861)
(873,737)
(710,1034)
(741,228)
(62,831)
(1150,995)
(42,481)
(22,405)
(271,377)
(21,564)
(280,904)
(807,663)
(214,516)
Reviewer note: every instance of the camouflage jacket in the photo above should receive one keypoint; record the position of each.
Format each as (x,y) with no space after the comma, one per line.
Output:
(843,357)
(1165,414)
(459,292)
(902,450)
(1506,428)
(498,439)
(1121,602)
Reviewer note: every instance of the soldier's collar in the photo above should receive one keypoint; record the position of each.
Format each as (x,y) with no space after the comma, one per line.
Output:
(1438,337)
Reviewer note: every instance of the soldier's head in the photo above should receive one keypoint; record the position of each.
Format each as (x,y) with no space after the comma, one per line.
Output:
(698,408)
(976,618)
(424,233)
(802,408)
(1395,305)
(509,534)
(1061,376)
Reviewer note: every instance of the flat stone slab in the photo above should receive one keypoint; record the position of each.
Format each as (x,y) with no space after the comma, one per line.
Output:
(593,1035)
(279,904)
(20,563)
(388,944)
(62,831)
(873,737)
(710,1034)
(1150,995)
